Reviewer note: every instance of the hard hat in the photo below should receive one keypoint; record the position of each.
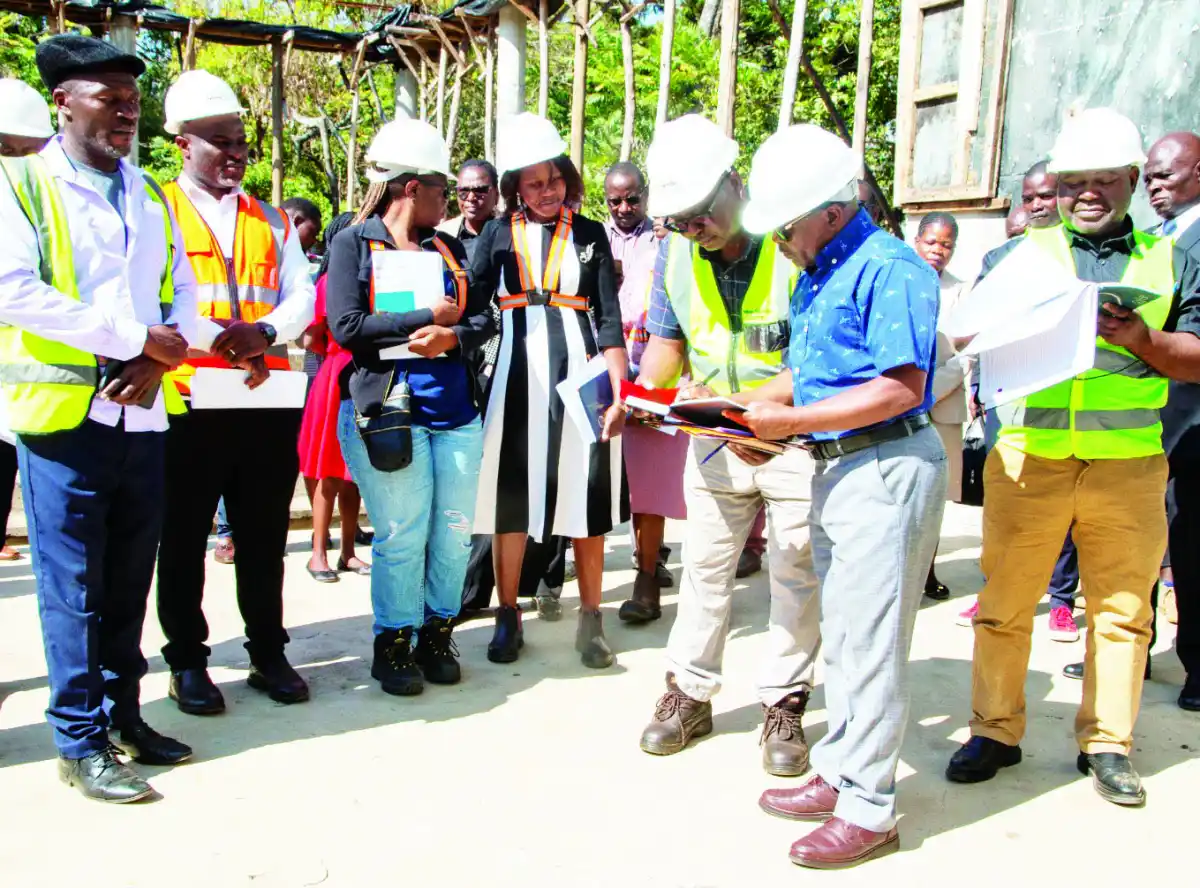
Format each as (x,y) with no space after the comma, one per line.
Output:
(525,139)
(1097,139)
(197,95)
(407,146)
(794,172)
(23,111)
(685,163)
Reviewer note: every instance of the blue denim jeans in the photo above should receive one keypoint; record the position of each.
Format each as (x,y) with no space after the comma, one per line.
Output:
(422,517)
(224,531)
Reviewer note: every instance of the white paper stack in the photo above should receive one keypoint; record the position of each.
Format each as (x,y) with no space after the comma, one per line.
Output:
(214,388)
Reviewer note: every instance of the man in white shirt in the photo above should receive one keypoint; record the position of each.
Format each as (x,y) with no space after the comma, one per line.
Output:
(255,293)
(81,298)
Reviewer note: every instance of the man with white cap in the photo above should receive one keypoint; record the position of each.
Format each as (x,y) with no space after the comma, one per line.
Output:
(719,303)
(255,294)
(24,119)
(1086,454)
(857,388)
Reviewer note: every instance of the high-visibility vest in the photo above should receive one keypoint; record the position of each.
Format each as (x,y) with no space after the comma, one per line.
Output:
(731,353)
(245,286)
(1112,410)
(48,385)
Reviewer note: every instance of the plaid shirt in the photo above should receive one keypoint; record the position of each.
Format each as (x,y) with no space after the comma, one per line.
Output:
(733,282)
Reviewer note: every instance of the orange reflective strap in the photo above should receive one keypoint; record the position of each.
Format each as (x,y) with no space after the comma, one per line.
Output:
(460,275)
(521,252)
(376,247)
(551,274)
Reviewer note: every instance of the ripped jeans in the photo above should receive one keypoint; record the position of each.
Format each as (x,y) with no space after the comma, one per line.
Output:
(422,517)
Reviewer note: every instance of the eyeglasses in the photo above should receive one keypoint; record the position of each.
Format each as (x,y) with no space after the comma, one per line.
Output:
(476,190)
(783,233)
(634,200)
(682,224)
(438,184)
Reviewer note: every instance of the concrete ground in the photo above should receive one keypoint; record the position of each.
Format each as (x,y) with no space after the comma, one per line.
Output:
(530,774)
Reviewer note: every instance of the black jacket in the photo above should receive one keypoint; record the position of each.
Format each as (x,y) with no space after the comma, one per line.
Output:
(363,333)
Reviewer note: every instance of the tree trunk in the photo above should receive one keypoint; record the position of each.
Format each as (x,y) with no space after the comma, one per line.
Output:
(709,16)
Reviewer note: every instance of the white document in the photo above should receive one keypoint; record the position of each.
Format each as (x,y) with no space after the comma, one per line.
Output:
(407,280)
(1060,342)
(214,388)
(401,353)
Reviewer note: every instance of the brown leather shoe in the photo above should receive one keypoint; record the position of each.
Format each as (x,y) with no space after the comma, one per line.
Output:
(643,606)
(839,844)
(784,749)
(677,720)
(814,800)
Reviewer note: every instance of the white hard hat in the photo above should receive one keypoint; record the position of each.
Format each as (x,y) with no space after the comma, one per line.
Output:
(406,146)
(685,163)
(525,139)
(795,171)
(23,112)
(197,95)
(1097,139)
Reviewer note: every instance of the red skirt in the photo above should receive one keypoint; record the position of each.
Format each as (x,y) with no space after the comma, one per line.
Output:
(320,452)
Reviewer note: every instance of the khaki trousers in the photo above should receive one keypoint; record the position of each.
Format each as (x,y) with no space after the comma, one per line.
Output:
(1114,510)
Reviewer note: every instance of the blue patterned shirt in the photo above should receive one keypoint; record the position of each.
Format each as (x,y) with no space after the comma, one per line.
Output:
(867,305)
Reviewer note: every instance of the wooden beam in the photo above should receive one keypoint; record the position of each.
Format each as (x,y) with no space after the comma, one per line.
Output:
(352,139)
(630,12)
(664,62)
(189,50)
(579,85)
(862,90)
(443,61)
(436,24)
(455,103)
(543,58)
(525,11)
(472,41)
(375,96)
(405,59)
(791,74)
(289,40)
(277,62)
(731,17)
(630,94)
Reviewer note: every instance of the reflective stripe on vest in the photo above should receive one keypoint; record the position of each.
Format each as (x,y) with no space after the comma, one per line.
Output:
(1112,410)
(48,386)
(739,353)
(547,292)
(243,287)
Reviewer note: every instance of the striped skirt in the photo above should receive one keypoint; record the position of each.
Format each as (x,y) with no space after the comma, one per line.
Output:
(540,476)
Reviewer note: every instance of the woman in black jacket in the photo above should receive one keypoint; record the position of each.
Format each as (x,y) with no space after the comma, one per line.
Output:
(422,514)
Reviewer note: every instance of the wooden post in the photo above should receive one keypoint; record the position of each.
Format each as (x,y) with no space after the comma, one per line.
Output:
(424,100)
(544,58)
(443,59)
(510,62)
(866,32)
(630,94)
(352,140)
(583,9)
(791,74)
(189,49)
(277,122)
(731,17)
(455,102)
(489,98)
(664,62)
(123,35)
(405,99)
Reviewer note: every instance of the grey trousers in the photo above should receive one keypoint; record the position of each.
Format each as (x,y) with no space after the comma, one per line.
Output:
(877,516)
(724,496)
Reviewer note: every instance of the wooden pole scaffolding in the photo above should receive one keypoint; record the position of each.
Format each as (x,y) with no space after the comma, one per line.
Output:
(423,100)
(277,122)
(443,59)
(489,98)
(583,9)
(731,17)
(791,74)
(460,71)
(866,32)
(630,93)
(189,48)
(543,58)
(351,145)
(664,62)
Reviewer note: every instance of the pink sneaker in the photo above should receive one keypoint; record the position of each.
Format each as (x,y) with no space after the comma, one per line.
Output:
(967,617)
(1062,625)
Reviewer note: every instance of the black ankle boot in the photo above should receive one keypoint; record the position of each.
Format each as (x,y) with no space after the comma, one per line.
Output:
(509,638)
(395,668)
(436,654)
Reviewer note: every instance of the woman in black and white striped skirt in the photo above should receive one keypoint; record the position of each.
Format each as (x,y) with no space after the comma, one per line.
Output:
(552,273)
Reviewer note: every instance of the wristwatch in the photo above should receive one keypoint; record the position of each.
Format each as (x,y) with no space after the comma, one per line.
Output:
(268,333)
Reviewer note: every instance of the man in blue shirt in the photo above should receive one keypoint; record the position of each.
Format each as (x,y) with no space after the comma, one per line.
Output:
(858,389)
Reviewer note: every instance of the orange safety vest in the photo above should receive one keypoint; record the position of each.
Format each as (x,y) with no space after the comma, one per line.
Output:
(548,291)
(243,287)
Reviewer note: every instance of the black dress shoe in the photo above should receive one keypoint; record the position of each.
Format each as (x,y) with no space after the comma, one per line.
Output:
(936,590)
(103,777)
(278,680)
(1113,777)
(508,638)
(1075,671)
(1189,697)
(980,758)
(146,746)
(437,654)
(195,692)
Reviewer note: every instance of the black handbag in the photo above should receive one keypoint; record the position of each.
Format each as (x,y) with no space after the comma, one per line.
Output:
(974,456)
(388,436)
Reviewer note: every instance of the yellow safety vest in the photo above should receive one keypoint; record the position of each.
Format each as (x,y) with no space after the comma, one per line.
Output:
(1112,410)
(48,385)
(731,353)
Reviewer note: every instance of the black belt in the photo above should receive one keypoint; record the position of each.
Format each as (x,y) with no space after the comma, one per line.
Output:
(893,431)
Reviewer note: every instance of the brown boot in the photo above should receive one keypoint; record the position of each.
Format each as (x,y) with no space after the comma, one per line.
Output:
(785,751)
(677,719)
(643,606)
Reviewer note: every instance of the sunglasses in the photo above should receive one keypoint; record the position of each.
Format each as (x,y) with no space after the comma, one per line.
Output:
(682,224)
(634,200)
(438,184)
(476,190)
